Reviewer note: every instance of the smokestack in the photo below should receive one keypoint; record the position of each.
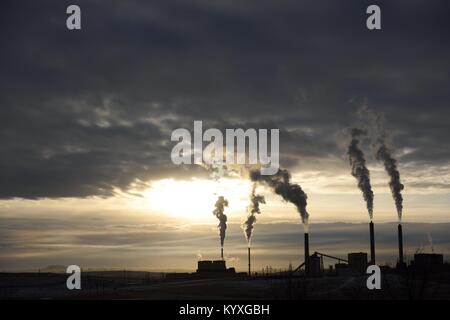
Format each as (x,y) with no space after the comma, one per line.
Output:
(400,244)
(249,268)
(221,252)
(306,252)
(372,244)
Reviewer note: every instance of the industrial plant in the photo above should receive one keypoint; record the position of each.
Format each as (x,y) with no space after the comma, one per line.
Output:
(356,263)
(310,267)
(345,278)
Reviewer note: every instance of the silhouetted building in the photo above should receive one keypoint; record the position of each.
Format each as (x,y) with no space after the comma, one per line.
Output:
(314,266)
(208,269)
(357,262)
(217,266)
(428,261)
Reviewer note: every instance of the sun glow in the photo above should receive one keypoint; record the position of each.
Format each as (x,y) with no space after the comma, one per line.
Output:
(195,198)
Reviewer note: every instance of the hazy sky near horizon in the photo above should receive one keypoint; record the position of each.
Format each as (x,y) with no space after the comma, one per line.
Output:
(111,241)
(86,116)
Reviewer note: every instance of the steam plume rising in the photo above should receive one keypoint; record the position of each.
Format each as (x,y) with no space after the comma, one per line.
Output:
(281,185)
(221,203)
(390,165)
(382,153)
(359,169)
(253,209)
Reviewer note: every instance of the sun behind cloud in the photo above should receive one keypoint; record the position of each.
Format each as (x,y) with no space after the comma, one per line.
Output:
(195,198)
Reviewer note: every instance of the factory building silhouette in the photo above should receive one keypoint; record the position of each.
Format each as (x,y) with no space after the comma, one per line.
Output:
(355,263)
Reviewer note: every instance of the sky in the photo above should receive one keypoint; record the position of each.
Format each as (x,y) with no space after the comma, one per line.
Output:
(86,118)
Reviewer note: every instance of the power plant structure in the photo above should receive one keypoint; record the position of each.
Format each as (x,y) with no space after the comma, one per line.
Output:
(307,267)
(372,243)
(401,264)
(315,263)
(249,265)
(212,266)
(355,264)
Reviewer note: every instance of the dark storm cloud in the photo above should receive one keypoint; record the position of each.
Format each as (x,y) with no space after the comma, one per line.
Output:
(82,113)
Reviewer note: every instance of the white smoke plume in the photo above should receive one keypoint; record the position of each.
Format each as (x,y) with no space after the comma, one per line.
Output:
(221,203)
(253,210)
(359,168)
(378,136)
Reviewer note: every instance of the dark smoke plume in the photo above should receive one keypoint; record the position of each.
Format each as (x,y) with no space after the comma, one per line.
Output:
(281,185)
(221,203)
(253,209)
(382,153)
(359,169)
(377,133)
(390,165)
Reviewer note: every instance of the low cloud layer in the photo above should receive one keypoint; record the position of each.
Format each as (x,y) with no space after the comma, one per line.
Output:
(105,242)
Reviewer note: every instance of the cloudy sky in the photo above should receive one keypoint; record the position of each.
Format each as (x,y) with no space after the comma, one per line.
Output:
(86,117)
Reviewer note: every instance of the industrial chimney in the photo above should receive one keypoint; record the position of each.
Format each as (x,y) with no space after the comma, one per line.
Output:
(372,244)
(249,268)
(221,252)
(306,252)
(401,263)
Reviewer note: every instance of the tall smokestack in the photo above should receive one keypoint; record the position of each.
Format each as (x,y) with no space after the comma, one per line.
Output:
(221,252)
(400,245)
(306,252)
(249,266)
(372,244)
